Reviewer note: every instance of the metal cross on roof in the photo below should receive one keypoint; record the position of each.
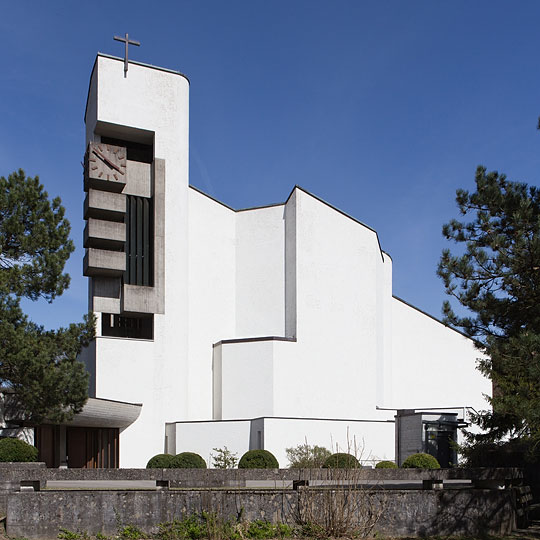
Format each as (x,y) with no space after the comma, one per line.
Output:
(128,42)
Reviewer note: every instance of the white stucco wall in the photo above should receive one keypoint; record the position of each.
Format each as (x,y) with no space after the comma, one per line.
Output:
(432,365)
(338,365)
(203,437)
(370,442)
(340,287)
(212,299)
(247,379)
(260,272)
(129,370)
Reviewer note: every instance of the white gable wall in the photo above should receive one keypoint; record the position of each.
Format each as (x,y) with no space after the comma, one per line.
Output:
(338,292)
(336,368)
(432,365)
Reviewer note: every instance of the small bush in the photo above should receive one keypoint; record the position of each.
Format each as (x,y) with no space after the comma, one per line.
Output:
(386,465)
(161,461)
(66,534)
(190,527)
(131,532)
(305,456)
(188,460)
(261,529)
(341,460)
(224,458)
(421,461)
(211,525)
(17,450)
(258,459)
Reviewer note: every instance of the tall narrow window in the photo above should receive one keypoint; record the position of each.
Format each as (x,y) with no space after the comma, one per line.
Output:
(139,241)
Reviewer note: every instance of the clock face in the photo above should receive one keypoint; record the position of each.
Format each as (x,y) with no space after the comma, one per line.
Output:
(105,167)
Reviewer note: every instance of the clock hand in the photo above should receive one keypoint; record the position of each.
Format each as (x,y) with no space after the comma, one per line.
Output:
(107,160)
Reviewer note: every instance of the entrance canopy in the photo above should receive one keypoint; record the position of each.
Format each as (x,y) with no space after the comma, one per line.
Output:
(91,439)
(106,413)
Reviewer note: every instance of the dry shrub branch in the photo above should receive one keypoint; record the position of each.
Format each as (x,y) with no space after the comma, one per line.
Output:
(343,506)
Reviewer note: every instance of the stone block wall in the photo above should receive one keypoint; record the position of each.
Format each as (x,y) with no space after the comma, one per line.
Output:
(40,515)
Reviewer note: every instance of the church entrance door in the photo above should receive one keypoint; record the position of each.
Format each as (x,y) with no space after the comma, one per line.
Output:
(92,448)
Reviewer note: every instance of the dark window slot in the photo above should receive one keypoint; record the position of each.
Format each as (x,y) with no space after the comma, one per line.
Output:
(139,242)
(135,151)
(127,327)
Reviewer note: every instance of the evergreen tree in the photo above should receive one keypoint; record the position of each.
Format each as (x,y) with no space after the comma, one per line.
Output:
(37,366)
(496,276)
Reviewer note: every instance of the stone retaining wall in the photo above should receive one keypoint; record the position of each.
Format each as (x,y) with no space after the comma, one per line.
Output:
(471,512)
(238,477)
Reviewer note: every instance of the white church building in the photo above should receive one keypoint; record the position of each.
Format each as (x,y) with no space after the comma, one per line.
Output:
(255,328)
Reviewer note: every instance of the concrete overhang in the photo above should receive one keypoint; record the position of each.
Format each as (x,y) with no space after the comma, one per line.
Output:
(106,413)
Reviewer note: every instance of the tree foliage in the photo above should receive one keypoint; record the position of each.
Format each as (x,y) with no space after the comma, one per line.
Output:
(38,367)
(496,276)
(305,456)
(224,458)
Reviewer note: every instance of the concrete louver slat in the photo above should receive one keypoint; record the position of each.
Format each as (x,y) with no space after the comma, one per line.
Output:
(101,262)
(104,234)
(104,205)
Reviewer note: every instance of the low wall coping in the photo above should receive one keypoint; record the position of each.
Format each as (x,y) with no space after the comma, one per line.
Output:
(216,477)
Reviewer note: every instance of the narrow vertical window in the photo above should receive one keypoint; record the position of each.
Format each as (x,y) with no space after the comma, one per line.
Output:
(139,241)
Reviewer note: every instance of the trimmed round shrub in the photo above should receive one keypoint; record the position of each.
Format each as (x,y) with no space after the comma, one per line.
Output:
(188,460)
(17,450)
(161,461)
(421,461)
(386,465)
(341,460)
(258,459)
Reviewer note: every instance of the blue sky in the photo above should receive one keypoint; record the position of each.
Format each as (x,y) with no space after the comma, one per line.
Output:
(382,108)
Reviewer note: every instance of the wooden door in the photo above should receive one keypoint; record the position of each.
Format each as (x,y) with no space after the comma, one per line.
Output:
(92,448)
(46,439)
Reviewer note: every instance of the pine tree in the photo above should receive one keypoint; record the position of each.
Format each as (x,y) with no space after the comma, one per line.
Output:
(38,367)
(496,277)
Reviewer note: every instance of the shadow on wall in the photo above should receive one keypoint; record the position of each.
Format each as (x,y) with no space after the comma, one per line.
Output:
(471,513)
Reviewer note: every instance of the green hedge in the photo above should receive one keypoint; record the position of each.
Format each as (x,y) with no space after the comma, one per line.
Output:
(258,459)
(341,460)
(161,461)
(184,460)
(17,450)
(420,461)
(386,465)
(188,460)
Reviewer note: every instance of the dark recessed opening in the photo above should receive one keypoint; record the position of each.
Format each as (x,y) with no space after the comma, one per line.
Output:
(135,151)
(127,327)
